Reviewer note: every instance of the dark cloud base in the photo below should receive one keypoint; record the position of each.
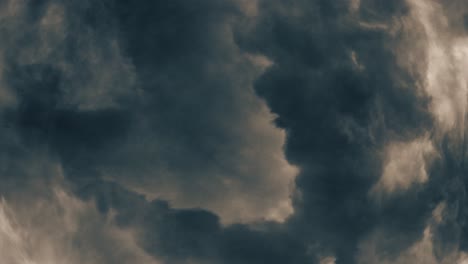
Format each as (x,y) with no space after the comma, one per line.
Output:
(124,94)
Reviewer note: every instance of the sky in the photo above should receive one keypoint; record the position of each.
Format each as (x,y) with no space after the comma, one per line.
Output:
(233,132)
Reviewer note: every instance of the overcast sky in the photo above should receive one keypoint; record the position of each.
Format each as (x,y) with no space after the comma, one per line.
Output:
(233,132)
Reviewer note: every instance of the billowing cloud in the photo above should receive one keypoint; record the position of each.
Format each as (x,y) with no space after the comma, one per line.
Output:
(87,78)
(64,230)
(229,132)
(405,164)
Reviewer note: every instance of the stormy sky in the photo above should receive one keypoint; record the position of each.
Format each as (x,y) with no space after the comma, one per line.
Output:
(233,132)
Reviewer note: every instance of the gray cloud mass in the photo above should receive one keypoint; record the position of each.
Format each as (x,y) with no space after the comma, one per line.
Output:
(233,131)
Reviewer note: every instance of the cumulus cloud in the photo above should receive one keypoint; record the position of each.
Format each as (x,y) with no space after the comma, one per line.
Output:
(84,79)
(233,131)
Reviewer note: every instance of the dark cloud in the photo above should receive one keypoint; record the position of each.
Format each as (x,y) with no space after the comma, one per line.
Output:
(189,141)
(339,117)
(163,105)
(177,236)
(158,128)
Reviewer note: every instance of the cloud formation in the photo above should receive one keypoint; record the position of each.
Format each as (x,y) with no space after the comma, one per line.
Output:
(266,131)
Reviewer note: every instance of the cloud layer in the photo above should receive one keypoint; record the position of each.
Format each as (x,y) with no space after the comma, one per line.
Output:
(266,131)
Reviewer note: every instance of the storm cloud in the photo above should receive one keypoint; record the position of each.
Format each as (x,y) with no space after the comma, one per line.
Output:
(233,131)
